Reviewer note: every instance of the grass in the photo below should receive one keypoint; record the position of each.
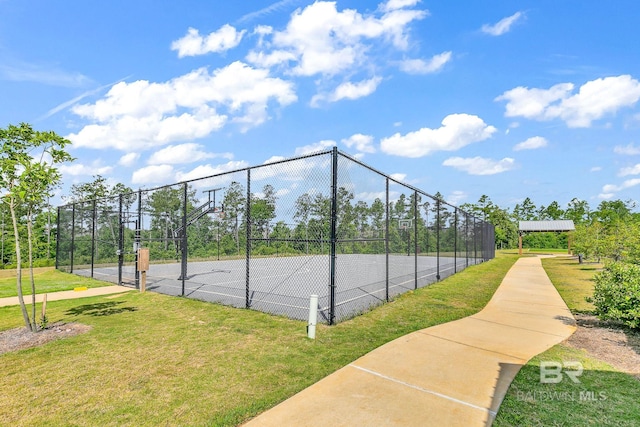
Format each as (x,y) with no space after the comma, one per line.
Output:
(47,280)
(573,281)
(604,396)
(152,359)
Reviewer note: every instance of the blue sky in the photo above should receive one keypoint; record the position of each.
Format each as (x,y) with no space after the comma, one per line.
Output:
(511,99)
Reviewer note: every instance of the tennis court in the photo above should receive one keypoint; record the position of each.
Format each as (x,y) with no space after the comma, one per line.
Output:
(283,285)
(268,237)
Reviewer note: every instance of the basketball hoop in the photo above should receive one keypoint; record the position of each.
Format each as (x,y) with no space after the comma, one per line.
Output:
(218,212)
(405,224)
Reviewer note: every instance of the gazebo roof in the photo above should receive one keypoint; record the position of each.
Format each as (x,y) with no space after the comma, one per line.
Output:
(544,226)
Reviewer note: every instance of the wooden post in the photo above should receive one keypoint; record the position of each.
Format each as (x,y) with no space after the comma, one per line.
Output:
(143,266)
(519,243)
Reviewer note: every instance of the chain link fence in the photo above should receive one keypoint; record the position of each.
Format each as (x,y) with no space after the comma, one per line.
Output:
(268,237)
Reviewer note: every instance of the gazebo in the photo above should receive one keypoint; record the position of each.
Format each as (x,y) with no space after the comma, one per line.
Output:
(544,227)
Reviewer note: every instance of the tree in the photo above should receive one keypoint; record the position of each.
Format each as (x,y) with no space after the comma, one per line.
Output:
(96,189)
(526,211)
(234,204)
(27,183)
(578,211)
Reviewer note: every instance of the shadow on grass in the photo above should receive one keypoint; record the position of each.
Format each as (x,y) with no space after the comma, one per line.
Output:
(567,320)
(100,309)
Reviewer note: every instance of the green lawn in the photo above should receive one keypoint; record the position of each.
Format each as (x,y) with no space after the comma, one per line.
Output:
(47,280)
(604,396)
(152,359)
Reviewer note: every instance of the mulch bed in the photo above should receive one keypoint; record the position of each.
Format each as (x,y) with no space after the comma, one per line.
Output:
(22,338)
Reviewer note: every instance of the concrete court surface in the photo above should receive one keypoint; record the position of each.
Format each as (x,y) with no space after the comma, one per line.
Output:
(454,374)
(56,296)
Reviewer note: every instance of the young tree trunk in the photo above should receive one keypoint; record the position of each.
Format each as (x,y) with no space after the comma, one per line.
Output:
(34,323)
(25,314)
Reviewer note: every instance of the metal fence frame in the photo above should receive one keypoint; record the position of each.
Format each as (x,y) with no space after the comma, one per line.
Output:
(461,240)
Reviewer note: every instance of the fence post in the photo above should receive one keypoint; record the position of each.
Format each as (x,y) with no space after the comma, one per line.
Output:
(184,236)
(475,241)
(120,240)
(455,240)
(73,236)
(415,239)
(466,238)
(248,238)
(334,218)
(137,237)
(93,236)
(57,239)
(437,239)
(386,242)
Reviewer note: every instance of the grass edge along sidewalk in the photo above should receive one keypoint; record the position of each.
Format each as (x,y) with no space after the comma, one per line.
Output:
(47,280)
(150,359)
(603,396)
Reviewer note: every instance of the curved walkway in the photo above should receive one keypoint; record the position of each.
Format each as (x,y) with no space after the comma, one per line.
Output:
(454,374)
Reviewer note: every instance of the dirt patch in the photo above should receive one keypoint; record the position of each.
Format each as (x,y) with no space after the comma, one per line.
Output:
(22,338)
(608,342)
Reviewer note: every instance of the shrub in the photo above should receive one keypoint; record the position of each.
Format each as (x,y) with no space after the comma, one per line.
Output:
(616,294)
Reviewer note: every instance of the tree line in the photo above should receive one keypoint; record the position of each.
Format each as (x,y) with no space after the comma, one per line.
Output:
(611,230)
(361,227)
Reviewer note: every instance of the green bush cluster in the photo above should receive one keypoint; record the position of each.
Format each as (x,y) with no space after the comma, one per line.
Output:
(616,293)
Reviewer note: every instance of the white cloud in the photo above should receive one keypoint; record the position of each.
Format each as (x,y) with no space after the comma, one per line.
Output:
(419,66)
(609,190)
(319,39)
(503,26)
(531,103)
(282,192)
(632,170)
(156,174)
(362,143)
(532,143)
(398,4)
(456,197)
(371,196)
(203,171)
(192,44)
(78,169)
(457,131)
(349,90)
(595,169)
(594,100)
(274,159)
(480,165)
(183,153)
(606,196)
(399,176)
(629,150)
(140,115)
(129,159)
(314,148)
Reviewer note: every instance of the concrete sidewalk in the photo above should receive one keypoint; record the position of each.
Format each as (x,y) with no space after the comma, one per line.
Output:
(56,296)
(454,374)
